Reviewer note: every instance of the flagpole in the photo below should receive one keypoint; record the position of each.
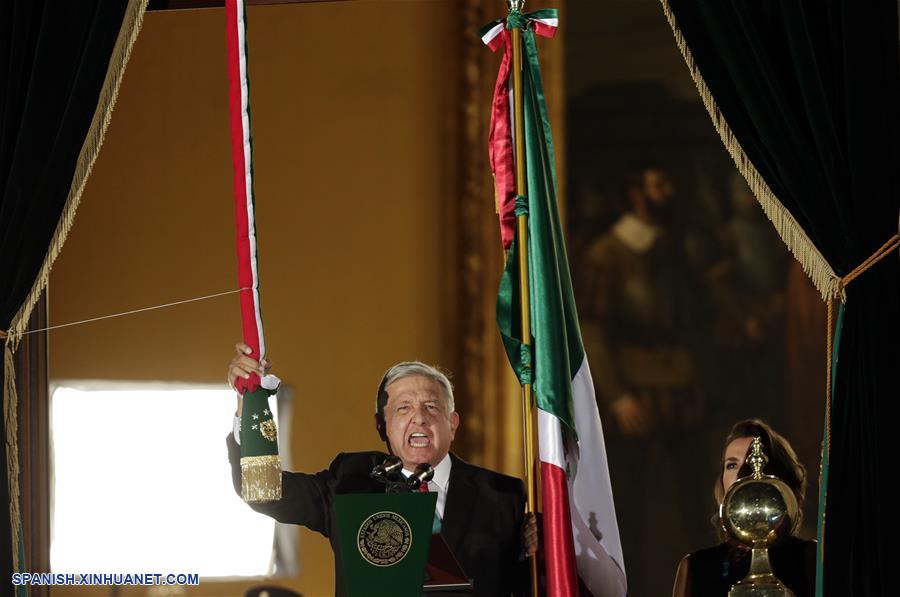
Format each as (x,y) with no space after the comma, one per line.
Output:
(528,403)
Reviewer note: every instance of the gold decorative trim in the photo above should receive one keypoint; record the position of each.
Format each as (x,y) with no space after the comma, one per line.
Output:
(267,430)
(261,478)
(259,460)
(823,277)
(131,26)
(477,253)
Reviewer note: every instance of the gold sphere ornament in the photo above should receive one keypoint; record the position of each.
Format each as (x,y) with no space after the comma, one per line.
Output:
(759,511)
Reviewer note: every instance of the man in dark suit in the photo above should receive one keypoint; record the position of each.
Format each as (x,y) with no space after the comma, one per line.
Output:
(481,512)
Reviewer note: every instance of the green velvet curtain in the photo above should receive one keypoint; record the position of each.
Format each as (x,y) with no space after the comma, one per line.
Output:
(806,95)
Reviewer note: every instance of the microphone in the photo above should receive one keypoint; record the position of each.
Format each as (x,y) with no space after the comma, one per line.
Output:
(423,474)
(390,466)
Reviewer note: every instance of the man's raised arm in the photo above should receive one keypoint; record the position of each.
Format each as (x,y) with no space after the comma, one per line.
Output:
(305,499)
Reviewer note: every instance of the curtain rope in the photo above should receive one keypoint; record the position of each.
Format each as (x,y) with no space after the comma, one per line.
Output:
(874,258)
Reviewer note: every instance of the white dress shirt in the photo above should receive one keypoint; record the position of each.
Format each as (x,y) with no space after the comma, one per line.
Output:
(440,483)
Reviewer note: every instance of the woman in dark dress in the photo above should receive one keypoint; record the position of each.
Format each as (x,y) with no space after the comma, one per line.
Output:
(712,571)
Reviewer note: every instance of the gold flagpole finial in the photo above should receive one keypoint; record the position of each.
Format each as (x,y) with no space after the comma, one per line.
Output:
(515,4)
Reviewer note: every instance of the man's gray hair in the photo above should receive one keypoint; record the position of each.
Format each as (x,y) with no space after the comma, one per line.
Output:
(410,368)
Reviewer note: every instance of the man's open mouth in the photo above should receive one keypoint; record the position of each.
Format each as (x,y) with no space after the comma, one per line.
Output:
(418,440)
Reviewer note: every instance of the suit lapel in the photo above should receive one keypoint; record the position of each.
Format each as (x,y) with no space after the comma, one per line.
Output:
(461,498)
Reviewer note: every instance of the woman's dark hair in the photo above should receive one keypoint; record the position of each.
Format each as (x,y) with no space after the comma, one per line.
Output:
(783,462)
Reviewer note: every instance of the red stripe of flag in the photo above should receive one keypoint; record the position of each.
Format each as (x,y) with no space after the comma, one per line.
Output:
(559,548)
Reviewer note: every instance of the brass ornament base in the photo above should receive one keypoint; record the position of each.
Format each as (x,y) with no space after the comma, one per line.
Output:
(760,581)
(261,478)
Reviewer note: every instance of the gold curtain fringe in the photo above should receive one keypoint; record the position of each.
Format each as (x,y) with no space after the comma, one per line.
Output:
(131,26)
(12,449)
(261,478)
(823,277)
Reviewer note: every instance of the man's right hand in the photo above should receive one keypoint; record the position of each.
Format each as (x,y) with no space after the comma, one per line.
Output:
(242,366)
(631,416)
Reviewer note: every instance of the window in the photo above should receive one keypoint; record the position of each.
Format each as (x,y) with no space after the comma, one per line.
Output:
(142,483)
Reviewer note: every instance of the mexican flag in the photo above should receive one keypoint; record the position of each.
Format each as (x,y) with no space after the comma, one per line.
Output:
(581,535)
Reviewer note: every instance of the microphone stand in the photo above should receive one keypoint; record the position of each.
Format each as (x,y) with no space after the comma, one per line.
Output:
(389,474)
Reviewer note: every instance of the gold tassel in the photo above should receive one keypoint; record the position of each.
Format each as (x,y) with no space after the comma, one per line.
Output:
(261,478)
(822,275)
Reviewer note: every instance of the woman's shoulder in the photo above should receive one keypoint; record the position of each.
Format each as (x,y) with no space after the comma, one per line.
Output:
(801,543)
(796,553)
(712,553)
(696,569)
(797,546)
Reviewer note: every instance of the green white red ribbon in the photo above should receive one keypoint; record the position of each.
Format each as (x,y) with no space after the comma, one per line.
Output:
(501,147)
(244,200)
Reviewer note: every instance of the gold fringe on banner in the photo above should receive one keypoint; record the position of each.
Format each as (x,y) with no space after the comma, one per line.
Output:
(261,478)
(793,235)
(131,26)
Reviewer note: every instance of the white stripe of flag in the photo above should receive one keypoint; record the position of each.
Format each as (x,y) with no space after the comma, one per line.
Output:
(594,526)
